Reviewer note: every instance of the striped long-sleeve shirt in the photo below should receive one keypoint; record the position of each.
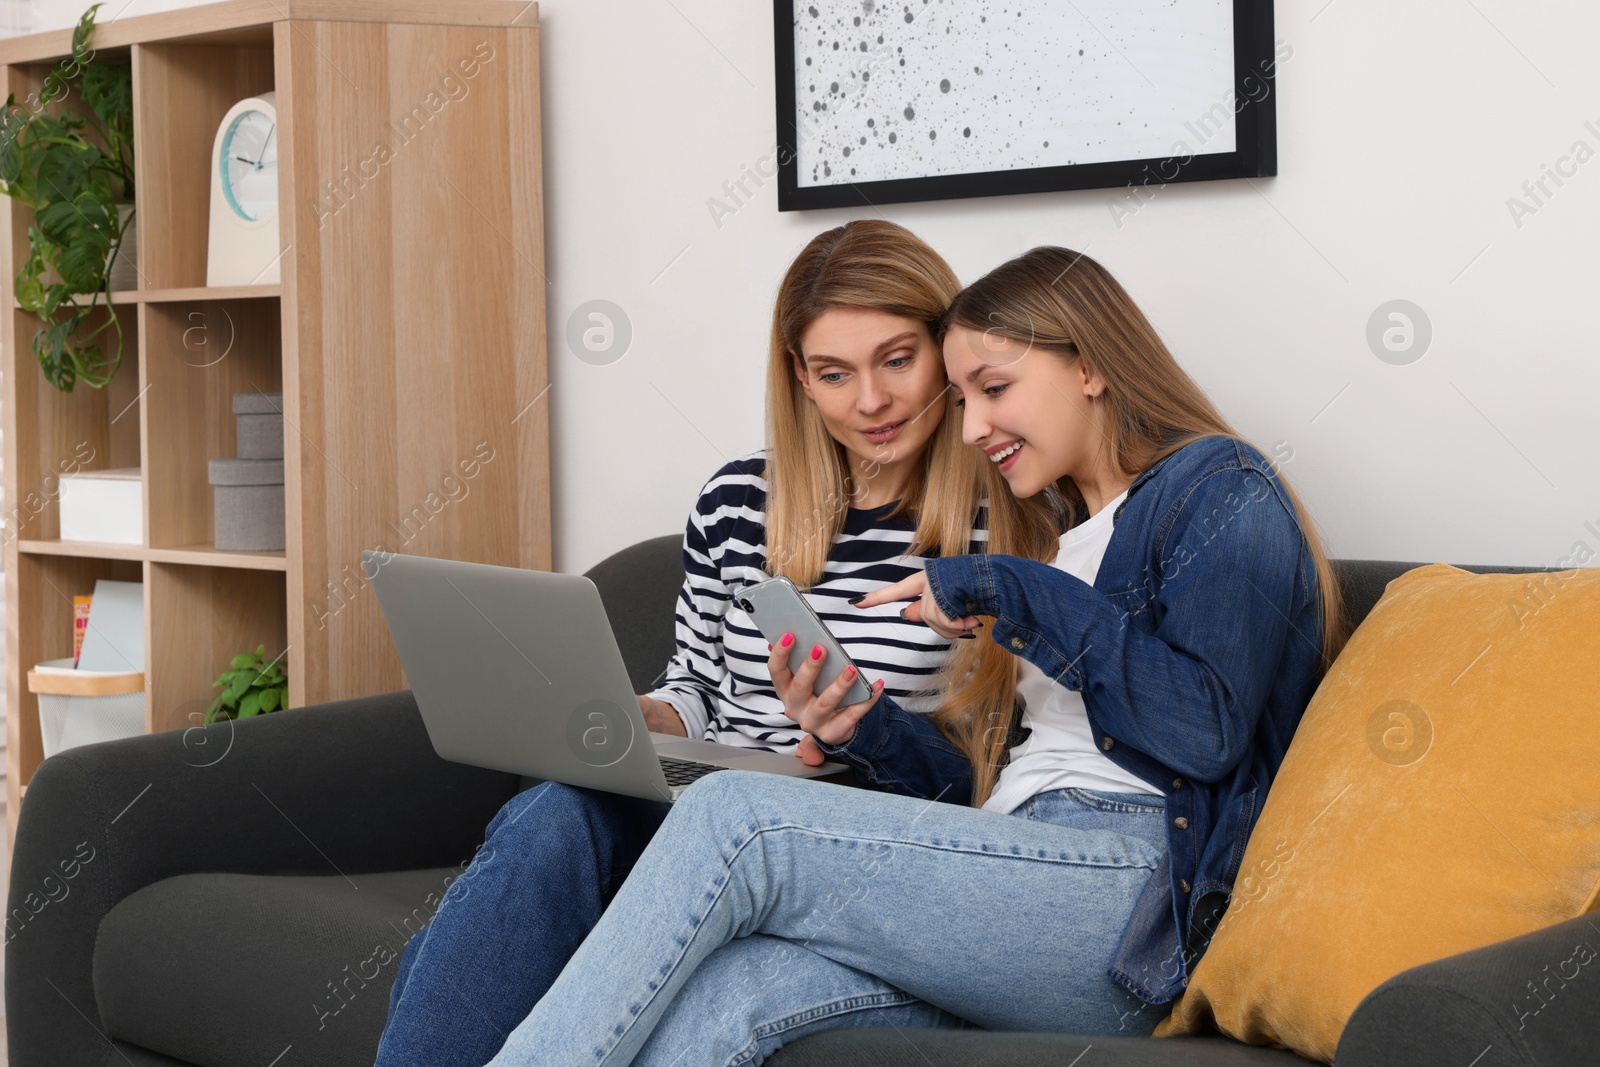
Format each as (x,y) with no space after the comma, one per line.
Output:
(718,681)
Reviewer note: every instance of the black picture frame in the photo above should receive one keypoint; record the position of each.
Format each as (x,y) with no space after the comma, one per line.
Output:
(1255,152)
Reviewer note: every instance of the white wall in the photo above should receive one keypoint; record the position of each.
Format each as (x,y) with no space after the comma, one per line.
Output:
(1403,131)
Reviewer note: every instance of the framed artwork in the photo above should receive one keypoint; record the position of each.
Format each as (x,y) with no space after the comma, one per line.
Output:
(886,101)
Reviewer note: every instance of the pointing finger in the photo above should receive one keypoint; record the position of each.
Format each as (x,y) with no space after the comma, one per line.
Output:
(906,588)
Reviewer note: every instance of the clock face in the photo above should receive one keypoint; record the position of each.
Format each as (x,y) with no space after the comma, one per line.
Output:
(249,165)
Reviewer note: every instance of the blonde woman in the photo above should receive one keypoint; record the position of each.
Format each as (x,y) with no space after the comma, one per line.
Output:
(864,477)
(1163,650)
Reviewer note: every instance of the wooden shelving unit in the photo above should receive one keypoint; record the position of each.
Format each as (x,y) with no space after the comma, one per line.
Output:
(407,336)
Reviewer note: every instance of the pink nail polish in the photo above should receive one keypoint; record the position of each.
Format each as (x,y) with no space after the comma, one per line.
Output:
(816,651)
(788,639)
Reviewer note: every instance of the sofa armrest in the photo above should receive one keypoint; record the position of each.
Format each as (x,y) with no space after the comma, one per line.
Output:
(1525,1001)
(340,788)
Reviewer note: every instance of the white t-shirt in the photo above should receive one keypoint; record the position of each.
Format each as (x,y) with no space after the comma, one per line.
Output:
(1060,752)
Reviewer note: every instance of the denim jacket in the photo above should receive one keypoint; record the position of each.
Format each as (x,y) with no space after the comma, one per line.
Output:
(1196,651)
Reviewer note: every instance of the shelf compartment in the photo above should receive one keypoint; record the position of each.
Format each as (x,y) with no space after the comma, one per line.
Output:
(199,619)
(40,614)
(197,355)
(60,433)
(26,81)
(181,92)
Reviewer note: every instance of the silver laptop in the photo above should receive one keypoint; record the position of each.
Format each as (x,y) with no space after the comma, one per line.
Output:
(518,670)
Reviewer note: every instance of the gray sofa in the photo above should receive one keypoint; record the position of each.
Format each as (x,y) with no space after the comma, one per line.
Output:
(238,896)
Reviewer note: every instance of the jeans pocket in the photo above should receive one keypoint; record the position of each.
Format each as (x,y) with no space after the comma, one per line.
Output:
(1127,803)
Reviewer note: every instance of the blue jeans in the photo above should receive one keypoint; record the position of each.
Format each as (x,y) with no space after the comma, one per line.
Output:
(768,907)
(550,861)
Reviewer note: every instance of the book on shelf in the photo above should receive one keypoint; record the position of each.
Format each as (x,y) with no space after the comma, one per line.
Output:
(80,624)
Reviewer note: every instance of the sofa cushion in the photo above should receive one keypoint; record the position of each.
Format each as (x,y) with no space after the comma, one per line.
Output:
(1439,795)
(229,970)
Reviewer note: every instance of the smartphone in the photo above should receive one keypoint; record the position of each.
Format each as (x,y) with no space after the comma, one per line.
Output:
(777,608)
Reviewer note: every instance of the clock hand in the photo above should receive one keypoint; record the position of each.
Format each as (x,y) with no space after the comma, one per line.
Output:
(264,144)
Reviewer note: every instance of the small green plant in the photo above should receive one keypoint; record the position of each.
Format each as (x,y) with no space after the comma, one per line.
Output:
(250,687)
(73,168)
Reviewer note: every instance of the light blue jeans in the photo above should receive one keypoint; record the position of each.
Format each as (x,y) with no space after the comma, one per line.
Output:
(767,908)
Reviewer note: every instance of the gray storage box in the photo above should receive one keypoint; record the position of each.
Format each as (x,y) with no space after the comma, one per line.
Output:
(248,504)
(258,425)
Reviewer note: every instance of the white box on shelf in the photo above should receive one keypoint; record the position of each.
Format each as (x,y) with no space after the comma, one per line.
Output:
(105,506)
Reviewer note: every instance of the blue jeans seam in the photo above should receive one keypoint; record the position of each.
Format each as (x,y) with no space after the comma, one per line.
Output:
(967,850)
(831,1009)
(1125,807)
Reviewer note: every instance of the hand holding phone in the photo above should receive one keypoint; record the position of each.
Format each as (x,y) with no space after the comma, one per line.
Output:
(822,715)
(777,608)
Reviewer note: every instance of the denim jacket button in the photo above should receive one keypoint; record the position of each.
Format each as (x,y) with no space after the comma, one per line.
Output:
(1106,743)
(1177,783)
(1181,823)
(1183,885)
(971,607)
(1019,643)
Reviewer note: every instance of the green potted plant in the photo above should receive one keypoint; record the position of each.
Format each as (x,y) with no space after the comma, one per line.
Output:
(74,168)
(250,687)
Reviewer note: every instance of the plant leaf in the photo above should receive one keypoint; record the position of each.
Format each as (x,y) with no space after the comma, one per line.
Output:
(269,699)
(250,705)
(243,660)
(108,90)
(83,31)
(71,165)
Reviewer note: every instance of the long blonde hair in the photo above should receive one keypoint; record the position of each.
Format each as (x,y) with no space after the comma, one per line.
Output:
(1065,303)
(876,265)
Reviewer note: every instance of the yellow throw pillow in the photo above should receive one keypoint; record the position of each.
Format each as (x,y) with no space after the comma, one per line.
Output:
(1441,793)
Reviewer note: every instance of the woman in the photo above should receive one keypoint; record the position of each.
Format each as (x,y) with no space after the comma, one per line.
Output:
(1163,660)
(864,478)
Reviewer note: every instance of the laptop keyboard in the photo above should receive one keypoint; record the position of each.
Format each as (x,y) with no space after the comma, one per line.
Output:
(682,772)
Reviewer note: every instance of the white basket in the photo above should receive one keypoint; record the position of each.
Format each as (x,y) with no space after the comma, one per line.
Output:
(82,707)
